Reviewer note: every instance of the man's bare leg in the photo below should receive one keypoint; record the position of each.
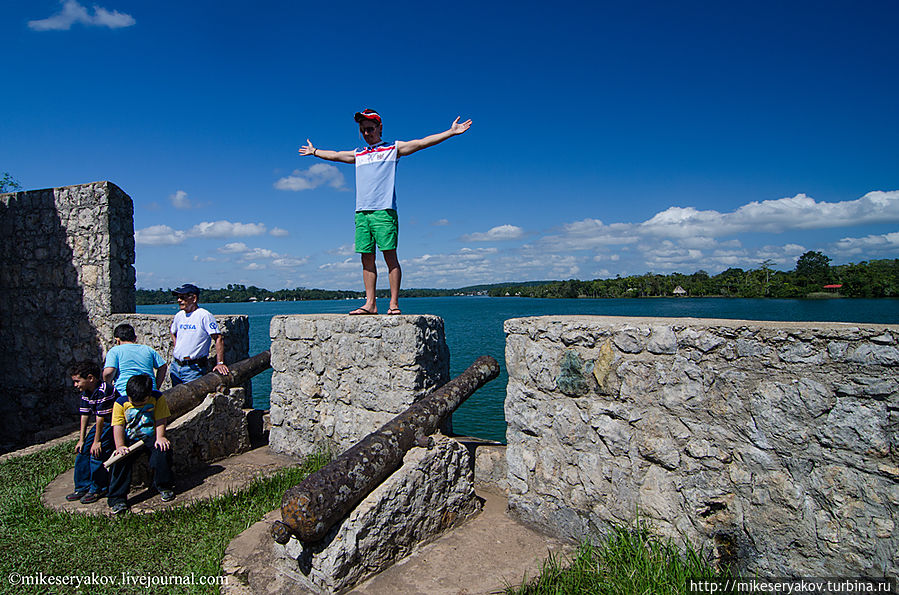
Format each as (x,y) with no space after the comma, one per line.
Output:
(370,281)
(395,275)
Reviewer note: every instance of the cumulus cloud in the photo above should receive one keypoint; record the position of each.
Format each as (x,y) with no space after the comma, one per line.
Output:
(179,200)
(875,245)
(157,235)
(703,230)
(279,233)
(320,174)
(441,223)
(776,216)
(233,248)
(226,229)
(245,254)
(74,13)
(495,234)
(289,262)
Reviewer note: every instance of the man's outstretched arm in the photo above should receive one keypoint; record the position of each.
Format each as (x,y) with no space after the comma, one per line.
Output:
(341,156)
(407,147)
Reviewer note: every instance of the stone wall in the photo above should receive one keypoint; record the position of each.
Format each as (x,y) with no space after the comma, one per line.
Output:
(772,445)
(337,378)
(66,264)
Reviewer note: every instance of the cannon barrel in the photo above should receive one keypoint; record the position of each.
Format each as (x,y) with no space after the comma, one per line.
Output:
(184,397)
(312,507)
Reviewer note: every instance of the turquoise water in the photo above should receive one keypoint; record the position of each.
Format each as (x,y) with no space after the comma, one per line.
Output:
(474,327)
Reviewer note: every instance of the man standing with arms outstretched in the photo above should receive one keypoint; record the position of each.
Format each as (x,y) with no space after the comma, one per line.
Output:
(376,218)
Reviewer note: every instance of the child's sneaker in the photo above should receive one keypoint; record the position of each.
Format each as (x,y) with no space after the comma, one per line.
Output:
(119,508)
(76,496)
(167,495)
(92,497)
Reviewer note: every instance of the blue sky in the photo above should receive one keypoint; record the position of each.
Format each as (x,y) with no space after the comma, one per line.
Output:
(608,138)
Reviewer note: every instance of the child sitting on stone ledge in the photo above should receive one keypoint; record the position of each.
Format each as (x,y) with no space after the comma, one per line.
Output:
(140,417)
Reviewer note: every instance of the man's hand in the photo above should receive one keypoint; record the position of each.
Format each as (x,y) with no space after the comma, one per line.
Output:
(221,369)
(96,450)
(163,443)
(458,128)
(308,149)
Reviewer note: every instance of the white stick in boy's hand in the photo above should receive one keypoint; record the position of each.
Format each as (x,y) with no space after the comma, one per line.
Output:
(118,456)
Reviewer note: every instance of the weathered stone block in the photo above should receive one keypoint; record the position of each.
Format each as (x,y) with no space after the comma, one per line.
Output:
(432,492)
(772,445)
(337,378)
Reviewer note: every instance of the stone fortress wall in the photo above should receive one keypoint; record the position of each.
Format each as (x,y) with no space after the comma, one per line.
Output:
(67,262)
(336,378)
(66,279)
(773,445)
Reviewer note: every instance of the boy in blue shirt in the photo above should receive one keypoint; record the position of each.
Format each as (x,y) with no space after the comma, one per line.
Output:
(96,444)
(128,358)
(140,417)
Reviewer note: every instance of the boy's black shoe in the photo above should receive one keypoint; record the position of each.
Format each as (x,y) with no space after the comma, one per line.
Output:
(92,497)
(167,495)
(119,508)
(76,496)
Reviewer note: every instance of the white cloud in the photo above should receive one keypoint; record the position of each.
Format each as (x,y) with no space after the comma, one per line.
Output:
(179,200)
(72,12)
(157,235)
(320,174)
(776,216)
(875,245)
(288,262)
(499,233)
(278,232)
(233,248)
(254,266)
(441,223)
(225,229)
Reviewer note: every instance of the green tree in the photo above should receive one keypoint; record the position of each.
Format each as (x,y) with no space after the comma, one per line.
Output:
(9,183)
(813,268)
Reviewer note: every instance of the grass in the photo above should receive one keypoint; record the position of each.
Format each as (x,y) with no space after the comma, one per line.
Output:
(180,541)
(628,561)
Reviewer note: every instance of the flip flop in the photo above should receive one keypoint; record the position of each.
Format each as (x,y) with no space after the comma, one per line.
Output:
(394,311)
(361,312)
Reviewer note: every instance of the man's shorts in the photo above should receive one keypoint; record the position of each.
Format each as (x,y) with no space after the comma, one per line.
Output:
(376,227)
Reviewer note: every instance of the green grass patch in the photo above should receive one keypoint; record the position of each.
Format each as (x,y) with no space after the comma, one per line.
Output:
(180,541)
(628,561)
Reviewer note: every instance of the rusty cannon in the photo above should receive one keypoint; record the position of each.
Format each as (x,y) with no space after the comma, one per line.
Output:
(184,397)
(312,507)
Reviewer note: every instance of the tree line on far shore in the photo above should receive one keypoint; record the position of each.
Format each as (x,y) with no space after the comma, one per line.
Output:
(813,277)
(810,278)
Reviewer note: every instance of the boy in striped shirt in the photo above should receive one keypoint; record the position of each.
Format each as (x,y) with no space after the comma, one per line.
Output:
(95,443)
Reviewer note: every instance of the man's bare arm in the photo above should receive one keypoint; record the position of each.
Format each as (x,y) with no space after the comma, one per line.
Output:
(408,147)
(327,155)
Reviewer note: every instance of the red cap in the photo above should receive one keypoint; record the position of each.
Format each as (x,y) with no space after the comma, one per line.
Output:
(367,114)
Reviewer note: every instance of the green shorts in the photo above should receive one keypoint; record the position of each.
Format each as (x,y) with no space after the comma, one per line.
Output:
(376,227)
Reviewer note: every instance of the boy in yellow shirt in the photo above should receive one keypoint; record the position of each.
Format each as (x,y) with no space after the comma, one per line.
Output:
(141,416)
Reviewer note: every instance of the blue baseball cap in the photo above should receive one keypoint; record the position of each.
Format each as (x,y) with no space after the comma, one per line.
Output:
(186,289)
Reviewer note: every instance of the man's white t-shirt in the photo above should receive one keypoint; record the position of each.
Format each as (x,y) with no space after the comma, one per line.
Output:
(193,333)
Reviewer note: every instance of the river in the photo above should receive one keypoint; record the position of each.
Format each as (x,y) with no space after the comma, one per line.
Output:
(474,327)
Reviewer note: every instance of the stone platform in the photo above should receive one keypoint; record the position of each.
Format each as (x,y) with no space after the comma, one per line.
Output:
(232,473)
(484,555)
